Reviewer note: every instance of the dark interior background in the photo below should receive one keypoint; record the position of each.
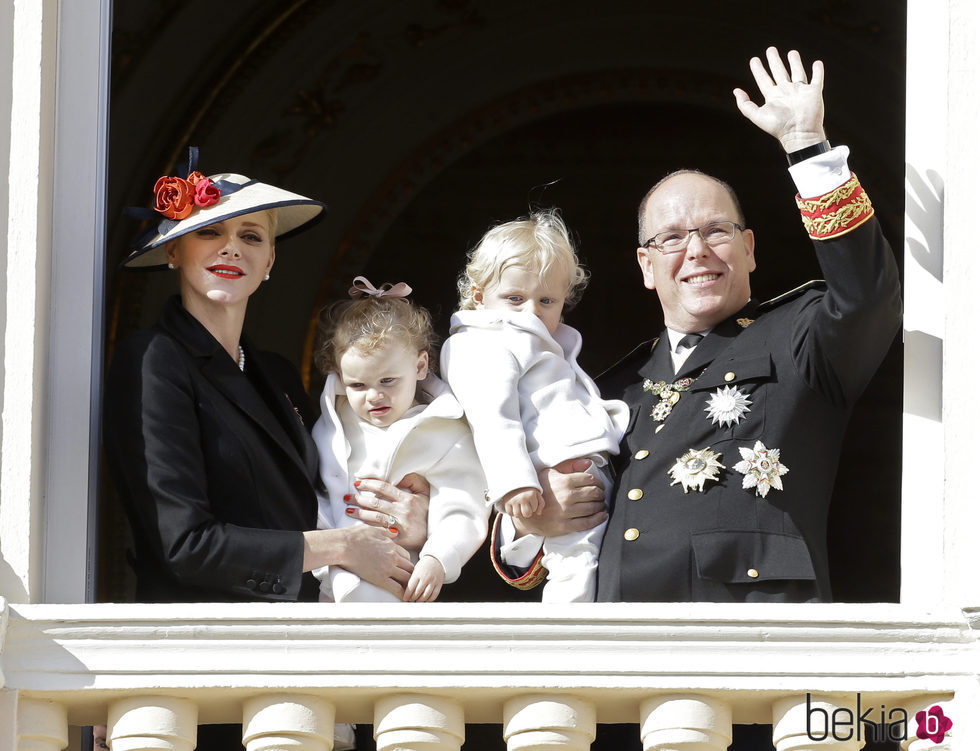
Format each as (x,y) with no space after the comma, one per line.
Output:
(421,123)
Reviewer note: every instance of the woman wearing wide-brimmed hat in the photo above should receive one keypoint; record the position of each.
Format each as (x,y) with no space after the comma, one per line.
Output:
(208,439)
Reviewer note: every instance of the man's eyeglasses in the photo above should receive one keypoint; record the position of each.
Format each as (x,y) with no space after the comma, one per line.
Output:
(676,240)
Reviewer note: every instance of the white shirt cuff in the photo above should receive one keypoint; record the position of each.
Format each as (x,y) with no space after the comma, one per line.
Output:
(821,173)
(520,552)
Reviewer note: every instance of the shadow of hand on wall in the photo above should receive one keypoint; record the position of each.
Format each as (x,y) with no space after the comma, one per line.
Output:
(924,208)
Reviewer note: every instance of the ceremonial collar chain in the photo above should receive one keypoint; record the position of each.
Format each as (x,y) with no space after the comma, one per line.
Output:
(669,393)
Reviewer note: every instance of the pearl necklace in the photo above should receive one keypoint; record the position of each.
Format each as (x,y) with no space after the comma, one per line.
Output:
(241,358)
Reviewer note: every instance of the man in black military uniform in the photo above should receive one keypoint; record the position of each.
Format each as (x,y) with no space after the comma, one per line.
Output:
(738,409)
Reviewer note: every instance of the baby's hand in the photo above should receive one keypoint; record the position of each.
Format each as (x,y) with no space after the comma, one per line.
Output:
(523,503)
(426,581)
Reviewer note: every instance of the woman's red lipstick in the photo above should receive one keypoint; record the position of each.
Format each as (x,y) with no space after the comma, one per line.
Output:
(225,270)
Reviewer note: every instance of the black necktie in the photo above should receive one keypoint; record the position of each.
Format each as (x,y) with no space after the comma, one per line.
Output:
(688,341)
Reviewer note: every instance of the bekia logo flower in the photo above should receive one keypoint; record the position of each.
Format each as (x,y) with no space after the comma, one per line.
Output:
(933,724)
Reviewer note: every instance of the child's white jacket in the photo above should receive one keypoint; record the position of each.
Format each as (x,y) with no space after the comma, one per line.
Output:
(528,401)
(435,443)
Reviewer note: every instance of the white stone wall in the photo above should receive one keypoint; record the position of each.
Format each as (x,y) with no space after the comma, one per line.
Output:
(961,274)
(940,558)
(27,239)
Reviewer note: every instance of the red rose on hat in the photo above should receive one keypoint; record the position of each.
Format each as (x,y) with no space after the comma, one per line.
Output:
(206,193)
(174,197)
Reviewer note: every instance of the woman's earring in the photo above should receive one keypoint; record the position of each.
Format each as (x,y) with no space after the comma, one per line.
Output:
(267,277)
(171,266)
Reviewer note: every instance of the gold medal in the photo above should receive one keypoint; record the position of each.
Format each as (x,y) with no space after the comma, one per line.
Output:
(695,468)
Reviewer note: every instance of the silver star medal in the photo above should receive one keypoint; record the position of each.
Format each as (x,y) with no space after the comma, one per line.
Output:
(727,406)
(696,467)
(761,468)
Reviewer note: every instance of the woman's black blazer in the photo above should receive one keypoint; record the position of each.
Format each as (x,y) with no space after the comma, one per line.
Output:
(216,468)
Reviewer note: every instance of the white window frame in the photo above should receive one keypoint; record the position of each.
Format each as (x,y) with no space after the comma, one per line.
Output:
(77,301)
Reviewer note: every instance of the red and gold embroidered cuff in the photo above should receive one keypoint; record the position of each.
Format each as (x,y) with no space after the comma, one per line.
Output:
(836,213)
(534,575)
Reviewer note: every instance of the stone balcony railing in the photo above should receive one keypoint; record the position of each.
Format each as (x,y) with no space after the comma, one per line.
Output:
(684,672)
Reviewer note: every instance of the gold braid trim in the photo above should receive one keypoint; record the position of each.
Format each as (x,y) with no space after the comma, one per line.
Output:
(836,213)
(534,576)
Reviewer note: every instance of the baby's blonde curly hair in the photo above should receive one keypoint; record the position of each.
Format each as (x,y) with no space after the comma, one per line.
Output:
(539,243)
(369,323)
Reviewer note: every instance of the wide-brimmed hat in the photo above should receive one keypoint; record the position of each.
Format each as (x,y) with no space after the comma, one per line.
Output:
(187,203)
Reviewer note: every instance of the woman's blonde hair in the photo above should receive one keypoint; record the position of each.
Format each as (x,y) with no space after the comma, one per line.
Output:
(538,242)
(273,222)
(369,323)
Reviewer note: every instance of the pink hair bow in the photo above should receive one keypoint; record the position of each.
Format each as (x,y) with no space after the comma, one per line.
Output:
(363,288)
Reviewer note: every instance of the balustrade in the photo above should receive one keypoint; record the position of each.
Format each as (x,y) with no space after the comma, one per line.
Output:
(683,674)
(410,722)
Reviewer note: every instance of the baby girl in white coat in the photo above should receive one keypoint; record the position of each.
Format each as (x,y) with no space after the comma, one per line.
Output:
(511,362)
(385,416)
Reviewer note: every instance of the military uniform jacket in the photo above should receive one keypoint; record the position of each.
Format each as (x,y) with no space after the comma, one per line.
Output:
(801,361)
(215,466)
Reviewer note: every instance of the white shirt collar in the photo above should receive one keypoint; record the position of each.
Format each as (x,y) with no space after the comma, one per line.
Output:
(673,337)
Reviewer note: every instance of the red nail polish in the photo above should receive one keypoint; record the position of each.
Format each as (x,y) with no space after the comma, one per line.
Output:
(393,530)
(349,511)
(348,497)
(357,483)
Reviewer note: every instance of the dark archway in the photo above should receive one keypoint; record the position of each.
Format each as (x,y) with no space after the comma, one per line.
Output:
(421,123)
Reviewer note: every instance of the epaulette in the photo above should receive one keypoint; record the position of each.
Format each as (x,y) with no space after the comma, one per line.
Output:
(792,295)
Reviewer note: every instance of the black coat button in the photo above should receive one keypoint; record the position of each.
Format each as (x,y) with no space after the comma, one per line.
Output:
(264,586)
(278,589)
(251,583)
